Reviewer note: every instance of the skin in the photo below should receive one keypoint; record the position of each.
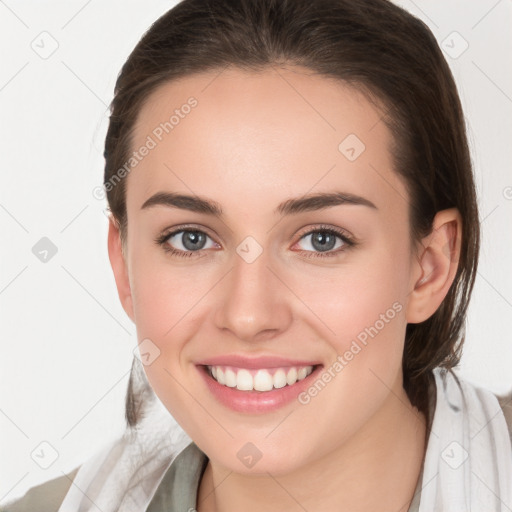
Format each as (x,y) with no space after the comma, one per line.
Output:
(253,141)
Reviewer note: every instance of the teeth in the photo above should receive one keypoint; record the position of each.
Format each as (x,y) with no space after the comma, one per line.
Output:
(258,380)
(220,376)
(263,381)
(244,380)
(230,378)
(302,373)
(279,379)
(291,376)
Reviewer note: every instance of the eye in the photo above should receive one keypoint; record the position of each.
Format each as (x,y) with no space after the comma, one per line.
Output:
(327,241)
(324,241)
(185,242)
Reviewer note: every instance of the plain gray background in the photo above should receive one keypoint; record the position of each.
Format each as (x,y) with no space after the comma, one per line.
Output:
(66,342)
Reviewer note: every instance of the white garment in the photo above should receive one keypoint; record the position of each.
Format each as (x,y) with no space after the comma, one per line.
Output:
(123,476)
(468,464)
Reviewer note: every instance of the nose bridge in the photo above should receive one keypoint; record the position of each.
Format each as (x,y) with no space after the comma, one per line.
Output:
(252,300)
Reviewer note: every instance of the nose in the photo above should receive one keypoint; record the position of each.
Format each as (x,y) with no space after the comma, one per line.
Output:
(254,304)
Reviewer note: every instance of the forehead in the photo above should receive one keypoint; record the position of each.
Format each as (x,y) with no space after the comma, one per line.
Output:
(255,135)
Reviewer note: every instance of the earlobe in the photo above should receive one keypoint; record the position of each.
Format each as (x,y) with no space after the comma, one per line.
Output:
(436,266)
(120,268)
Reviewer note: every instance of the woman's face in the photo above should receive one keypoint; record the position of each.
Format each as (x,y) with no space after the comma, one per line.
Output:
(275,277)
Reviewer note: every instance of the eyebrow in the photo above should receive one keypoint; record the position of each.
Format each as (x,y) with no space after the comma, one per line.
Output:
(307,203)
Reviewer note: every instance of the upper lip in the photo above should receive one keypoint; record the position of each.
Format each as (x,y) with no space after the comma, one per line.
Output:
(242,361)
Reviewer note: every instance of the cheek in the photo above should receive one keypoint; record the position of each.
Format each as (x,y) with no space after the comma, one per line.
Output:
(168,301)
(362,308)
(353,301)
(163,301)
(366,313)
(164,294)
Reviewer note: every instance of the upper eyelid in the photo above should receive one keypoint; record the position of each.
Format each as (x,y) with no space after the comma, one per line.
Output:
(173,232)
(322,227)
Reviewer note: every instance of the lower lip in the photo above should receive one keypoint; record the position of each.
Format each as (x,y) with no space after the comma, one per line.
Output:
(256,402)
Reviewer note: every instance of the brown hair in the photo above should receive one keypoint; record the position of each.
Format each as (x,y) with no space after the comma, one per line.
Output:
(376,47)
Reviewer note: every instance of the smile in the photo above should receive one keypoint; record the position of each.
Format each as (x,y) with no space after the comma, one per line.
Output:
(262,379)
(257,385)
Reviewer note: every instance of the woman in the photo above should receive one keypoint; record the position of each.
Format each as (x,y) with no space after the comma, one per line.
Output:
(294,232)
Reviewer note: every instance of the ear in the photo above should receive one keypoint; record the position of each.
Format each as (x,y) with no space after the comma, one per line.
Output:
(120,268)
(436,266)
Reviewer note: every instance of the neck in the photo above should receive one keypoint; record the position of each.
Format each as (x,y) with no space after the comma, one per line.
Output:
(377,469)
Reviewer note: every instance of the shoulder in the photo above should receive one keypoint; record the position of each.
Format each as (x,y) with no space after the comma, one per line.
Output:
(46,497)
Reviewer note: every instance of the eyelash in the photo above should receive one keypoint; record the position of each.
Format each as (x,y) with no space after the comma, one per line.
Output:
(348,241)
